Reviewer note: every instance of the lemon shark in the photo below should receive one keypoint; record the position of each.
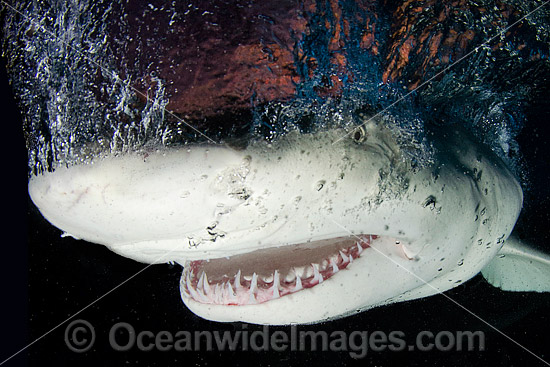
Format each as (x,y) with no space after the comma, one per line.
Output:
(307,228)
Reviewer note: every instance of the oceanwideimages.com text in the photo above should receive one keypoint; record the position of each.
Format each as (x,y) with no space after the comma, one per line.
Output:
(80,337)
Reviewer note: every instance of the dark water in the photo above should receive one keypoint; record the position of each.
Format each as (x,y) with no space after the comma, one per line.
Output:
(46,278)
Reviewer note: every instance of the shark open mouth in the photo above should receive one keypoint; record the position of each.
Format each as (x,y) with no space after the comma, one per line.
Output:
(268,274)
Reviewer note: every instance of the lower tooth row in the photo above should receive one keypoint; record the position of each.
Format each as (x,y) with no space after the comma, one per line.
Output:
(226,292)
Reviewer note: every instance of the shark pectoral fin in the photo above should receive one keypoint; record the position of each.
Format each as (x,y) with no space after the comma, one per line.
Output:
(518,267)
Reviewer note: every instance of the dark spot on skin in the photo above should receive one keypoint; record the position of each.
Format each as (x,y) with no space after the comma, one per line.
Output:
(320,185)
(430,201)
(478,176)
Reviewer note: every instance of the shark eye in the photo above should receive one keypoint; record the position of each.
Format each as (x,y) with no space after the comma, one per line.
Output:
(359,135)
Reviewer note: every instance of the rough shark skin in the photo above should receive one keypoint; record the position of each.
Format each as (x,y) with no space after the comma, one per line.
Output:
(431,229)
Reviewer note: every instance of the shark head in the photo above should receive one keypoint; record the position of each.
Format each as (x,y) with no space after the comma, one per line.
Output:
(308,228)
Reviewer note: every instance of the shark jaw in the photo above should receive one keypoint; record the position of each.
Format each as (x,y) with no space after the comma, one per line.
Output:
(306,229)
(264,275)
(305,283)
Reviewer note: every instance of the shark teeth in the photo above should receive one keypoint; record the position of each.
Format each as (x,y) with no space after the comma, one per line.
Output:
(205,285)
(253,290)
(261,286)
(290,276)
(308,272)
(344,257)
(317,277)
(194,293)
(230,292)
(335,268)
(298,285)
(409,255)
(275,286)
(218,292)
(238,280)
(254,283)
(299,271)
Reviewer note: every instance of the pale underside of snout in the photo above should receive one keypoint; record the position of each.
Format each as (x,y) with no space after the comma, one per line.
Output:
(206,202)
